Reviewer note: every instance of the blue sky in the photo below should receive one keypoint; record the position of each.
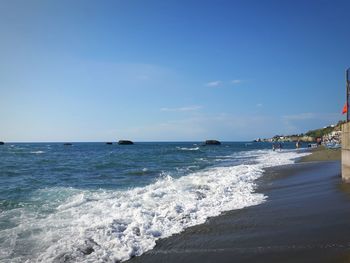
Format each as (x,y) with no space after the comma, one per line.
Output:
(170,70)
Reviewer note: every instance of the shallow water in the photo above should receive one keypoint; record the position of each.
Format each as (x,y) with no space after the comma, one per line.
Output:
(93,202)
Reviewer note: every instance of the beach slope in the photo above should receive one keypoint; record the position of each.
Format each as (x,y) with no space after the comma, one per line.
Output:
(322,154)
(305,219)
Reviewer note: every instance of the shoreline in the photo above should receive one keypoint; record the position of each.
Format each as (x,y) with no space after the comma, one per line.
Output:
(297,223)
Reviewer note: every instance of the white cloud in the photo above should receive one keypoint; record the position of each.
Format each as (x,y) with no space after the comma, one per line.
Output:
(217,83)
(214,83)
(236,81)
(259,105)
(182,109)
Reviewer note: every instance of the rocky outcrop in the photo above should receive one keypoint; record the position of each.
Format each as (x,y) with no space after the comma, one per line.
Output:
(2,143)
(125,142)
(109,143)
(212,142)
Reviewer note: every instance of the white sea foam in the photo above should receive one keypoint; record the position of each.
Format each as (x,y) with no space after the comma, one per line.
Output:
(107,226)
(37,152)
(188,149)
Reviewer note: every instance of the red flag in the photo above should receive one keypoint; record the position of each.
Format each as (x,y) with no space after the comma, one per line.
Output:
(345,108)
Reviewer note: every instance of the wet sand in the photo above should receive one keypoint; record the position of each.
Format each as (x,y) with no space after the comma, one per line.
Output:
(306,218)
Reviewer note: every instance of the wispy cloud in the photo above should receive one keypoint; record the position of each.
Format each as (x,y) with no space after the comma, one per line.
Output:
(308,120)
(236,81)
(308,116)
(202,126)
(218,83)
(215,83)
(259,105)
(182,109)
(224,126)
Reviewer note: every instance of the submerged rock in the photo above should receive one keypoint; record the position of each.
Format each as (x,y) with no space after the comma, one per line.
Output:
(67,144)
(2,143)
(212,142)
(125,142)
(109,143)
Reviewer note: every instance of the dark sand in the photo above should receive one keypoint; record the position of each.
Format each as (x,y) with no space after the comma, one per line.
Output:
(306,218)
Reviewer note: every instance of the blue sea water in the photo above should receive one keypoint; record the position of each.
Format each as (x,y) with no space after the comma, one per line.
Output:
(92,202)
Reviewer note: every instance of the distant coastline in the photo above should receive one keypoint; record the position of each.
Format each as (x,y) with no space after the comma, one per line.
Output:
(331,133)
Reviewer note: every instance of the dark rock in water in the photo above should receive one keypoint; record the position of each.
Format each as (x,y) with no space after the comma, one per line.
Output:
(63,257)
(125,142)
(212,142)
(109,143)
(2,143)
(86,250)
(67,144)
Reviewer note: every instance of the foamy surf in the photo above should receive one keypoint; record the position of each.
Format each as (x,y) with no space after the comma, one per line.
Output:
(109,226)
(188,149)
(37,152)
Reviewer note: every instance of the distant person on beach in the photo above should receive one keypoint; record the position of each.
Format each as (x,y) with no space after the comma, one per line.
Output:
(319,141)
(280,146)
(273,147)
(298,144)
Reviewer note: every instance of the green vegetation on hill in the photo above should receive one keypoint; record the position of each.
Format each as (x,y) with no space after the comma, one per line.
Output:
(321,132)
(309,136)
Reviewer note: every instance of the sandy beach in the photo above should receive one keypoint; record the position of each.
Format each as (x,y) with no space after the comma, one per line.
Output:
(305,219)
(322,154)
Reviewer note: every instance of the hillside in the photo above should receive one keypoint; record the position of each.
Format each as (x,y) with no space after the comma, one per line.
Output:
(310,136)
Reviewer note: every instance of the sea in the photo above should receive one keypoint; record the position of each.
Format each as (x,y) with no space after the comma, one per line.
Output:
(93,202)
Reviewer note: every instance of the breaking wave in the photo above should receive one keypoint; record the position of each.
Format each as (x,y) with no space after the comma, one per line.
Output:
(108,226)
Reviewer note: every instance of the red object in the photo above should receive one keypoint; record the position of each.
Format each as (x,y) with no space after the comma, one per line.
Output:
(345,108)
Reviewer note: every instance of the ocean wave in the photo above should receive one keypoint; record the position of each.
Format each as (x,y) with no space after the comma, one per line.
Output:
(143,171)
(109,226)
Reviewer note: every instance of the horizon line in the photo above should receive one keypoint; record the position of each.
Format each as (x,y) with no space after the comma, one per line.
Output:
(7,142)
